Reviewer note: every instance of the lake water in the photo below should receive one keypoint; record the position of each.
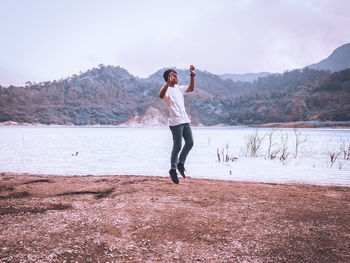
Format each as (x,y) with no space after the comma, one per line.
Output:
(146,151)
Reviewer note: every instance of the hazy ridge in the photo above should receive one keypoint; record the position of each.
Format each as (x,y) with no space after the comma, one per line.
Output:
(338,60)
(111,95)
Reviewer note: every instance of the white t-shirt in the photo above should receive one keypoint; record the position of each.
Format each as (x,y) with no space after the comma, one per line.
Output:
(174,99)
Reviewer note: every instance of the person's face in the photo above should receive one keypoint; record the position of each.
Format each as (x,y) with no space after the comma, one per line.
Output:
(173,78)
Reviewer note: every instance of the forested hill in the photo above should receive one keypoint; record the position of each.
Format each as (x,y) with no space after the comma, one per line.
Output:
(338,60)
(110,95)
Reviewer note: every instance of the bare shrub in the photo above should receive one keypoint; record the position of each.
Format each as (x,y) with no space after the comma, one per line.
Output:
(299,139)
(253,143)
(344,147)
(227,158)
(224,156)
(333,156)
(274,153)
(271,152)
(284,147)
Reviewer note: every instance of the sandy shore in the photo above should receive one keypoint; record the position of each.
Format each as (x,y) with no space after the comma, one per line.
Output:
(149,219)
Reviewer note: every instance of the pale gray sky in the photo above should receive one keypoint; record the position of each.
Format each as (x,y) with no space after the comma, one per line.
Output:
(50,39)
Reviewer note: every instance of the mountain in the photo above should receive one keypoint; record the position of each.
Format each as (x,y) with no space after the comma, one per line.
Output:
(107,95)
(248,77)
(103,95)
(111,95)
(338,60)
(322,97)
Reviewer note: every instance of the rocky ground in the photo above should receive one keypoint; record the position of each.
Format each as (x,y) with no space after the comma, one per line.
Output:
(149,219)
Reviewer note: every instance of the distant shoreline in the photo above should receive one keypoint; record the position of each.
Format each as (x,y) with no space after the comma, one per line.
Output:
(307,124)
(297,124)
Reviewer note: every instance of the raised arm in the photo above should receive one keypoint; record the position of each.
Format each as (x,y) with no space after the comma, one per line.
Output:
(191,86)
(163,90)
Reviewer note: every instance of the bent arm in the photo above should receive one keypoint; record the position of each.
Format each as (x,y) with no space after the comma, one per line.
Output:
(163,90)
(191,86)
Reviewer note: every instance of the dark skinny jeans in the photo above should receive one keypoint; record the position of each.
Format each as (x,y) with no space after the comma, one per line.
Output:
(179,131)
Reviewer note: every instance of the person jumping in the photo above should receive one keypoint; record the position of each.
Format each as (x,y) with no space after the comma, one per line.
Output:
(179,122)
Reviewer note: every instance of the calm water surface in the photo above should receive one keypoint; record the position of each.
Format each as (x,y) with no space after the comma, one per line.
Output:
(146,151)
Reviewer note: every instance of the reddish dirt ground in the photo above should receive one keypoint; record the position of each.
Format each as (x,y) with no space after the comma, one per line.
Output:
(149,219)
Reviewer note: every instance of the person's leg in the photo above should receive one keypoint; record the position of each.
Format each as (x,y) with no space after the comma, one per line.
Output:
(177,142)
(187,134)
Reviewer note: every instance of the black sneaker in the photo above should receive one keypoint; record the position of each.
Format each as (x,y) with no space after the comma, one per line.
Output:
(181,168)
(173,175)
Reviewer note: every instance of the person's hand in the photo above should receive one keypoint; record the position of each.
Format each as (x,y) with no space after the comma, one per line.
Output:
(192,70)
(170,78)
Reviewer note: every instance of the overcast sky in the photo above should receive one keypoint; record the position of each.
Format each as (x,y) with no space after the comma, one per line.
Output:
(50,39)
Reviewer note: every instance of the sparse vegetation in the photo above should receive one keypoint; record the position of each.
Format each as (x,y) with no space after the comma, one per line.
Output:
(299,139)
(284,147)
(344,147)
(223,156)
(333,156)
(253,143)
(272,150)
